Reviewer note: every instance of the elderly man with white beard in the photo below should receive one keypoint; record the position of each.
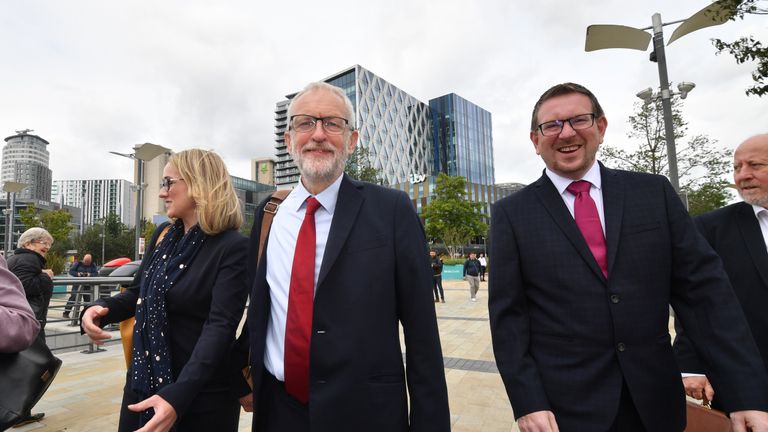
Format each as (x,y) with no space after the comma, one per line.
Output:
(344,265)
(739,234)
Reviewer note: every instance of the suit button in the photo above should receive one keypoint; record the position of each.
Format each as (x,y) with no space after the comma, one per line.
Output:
(615,298)
(621,347)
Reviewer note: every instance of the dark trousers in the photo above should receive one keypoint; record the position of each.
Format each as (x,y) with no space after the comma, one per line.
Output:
(279,411)
(73,298)
(482,273)
(218,412)
(627,418)
(437,287)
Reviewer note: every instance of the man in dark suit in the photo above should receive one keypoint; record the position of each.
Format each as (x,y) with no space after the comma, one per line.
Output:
(332,361)
(580,293)
(739,234)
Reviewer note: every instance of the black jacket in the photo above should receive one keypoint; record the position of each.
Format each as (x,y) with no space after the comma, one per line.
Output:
(437,265)
(28,266)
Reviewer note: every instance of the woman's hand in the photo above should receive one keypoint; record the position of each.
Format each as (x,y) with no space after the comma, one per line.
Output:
(91,324)
(164,418)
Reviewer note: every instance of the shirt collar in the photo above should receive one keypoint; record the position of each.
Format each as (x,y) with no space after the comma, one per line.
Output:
(759,210)
(561,183)
(327,197)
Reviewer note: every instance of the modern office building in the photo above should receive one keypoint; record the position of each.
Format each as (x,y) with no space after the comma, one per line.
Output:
(10,239)
(25,160)
(98,198)
(394,127)
(463,141)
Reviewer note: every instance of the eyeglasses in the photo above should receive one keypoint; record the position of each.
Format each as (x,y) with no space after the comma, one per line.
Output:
(307,123)
(554,127)
(168,182)
(43,242)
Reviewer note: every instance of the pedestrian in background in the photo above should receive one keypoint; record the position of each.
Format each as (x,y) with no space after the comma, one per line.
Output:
(483,265)
(437,276)
(472,275)
(82,268)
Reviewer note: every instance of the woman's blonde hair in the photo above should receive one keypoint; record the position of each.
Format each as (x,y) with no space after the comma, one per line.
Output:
(210,186)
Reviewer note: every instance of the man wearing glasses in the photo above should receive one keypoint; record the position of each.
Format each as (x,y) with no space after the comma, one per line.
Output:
(344,266)
(588,260)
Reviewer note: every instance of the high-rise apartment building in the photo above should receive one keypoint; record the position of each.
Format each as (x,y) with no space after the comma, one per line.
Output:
(394,127)
(25,160)
(98,198)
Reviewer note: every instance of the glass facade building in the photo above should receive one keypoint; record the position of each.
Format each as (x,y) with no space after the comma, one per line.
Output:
(463,142)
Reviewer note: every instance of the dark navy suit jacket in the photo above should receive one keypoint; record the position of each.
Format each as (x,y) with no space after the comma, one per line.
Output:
(734,233)
(375,276)
(565,337)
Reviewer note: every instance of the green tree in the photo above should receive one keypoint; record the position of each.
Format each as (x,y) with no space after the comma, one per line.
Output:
(701,165)
(747,48)
(117,240)
(450,216)
(359,166)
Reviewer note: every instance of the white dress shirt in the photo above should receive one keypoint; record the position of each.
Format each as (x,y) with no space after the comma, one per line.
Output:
(595,191)
(280,250)
(762,218)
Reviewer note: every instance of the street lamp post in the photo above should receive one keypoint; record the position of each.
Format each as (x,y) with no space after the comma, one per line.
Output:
(10,189)
(617,36)
(141,153)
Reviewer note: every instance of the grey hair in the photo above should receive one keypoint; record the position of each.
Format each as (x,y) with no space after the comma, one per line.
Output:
(34,234)
(321,85)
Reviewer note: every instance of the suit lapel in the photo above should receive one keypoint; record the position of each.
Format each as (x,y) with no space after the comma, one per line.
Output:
(613,211)
(554,205)
(347,207)
(753,238)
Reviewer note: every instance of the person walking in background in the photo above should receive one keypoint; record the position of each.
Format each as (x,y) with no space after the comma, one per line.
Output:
(18,325)
(472,275)
(483,266)
(437,276)
(28,264)
(84,268)
(188,298)
(587,261)
(739,234)
(344,266)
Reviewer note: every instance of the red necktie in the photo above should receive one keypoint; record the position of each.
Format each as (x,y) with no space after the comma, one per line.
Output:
(585,213)
(298,326)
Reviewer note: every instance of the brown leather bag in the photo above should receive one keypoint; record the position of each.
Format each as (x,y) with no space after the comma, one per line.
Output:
(270,209)
(702,418)
(126,326)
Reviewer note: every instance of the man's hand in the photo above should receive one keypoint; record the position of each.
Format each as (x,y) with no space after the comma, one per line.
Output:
(49,272)
(698,387)
(90,322)
(247,402)
(164,418)
(749,421)
(539,421)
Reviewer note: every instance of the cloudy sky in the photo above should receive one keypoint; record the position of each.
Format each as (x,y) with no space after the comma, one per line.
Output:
(95,76)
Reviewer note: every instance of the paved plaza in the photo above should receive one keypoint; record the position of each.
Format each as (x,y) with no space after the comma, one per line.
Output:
(86,393)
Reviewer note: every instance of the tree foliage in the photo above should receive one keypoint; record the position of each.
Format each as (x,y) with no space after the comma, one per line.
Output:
(701,165)
(747,48)
(58,224)
(359,166)
(450,216)
(117,241)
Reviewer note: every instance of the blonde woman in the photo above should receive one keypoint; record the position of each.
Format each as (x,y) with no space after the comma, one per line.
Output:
(188,298)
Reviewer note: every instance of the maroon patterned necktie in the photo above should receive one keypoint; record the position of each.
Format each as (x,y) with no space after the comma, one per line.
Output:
(588,221)
(298,325)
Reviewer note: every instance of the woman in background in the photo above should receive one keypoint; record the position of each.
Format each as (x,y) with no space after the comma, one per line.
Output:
(188,298)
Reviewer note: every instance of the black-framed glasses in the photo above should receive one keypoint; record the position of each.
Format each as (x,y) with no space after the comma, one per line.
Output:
(307,123)
(579,122)
(168,182)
